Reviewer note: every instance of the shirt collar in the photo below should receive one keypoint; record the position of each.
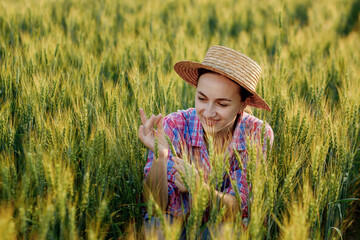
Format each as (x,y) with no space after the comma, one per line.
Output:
(239,137)
(196,130)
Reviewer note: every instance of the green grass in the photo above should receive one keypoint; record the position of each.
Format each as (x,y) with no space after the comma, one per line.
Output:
(74,73)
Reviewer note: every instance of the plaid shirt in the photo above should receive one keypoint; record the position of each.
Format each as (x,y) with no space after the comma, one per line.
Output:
(186,133)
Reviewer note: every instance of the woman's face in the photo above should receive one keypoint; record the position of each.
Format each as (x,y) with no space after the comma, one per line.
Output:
(217,102)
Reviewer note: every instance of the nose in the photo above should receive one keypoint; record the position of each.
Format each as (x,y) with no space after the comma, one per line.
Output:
(209,111)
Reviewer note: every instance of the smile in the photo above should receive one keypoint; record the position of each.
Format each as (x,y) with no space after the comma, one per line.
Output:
(211,123)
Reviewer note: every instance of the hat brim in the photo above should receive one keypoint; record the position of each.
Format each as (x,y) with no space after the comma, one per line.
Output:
(188,71)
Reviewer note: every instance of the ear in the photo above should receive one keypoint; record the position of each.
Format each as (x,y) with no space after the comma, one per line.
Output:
(244,104)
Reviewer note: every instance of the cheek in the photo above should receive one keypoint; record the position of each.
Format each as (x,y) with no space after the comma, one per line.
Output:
(237,109)
(198,105)
(229,114)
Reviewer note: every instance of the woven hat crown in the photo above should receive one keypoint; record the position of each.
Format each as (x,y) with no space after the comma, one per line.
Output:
(239,67)
(230,63)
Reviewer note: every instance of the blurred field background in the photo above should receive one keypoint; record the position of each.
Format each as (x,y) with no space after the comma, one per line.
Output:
(73,74)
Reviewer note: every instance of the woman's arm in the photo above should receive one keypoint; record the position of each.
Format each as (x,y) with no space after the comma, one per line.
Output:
(226,199)
(231,204)
(155,182)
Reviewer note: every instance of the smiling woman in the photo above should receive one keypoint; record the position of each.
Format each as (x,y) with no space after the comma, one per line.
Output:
(225,85)
(217,103)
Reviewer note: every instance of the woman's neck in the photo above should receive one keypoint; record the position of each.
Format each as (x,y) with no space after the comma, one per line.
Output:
(221,142)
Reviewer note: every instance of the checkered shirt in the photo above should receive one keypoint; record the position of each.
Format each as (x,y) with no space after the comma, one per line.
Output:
(186,133)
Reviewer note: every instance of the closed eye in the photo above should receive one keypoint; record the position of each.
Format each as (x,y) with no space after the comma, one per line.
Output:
(222,105)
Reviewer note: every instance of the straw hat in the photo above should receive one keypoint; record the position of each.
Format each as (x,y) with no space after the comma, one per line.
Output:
(230,63)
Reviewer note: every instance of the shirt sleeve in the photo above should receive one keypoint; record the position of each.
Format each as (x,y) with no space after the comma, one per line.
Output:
(237,175)
(172,128)
(268,139)
(173,133)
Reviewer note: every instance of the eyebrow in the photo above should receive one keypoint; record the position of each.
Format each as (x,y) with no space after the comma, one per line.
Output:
(218,99)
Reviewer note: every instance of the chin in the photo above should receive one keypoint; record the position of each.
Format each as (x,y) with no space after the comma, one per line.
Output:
(210,129)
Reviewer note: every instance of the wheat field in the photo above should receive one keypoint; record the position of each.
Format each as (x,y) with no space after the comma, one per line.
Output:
(74,73)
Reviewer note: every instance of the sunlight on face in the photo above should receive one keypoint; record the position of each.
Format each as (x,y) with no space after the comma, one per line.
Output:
(217,102)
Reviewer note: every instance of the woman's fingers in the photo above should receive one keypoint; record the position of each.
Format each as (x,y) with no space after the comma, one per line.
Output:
(178,176)
(179,179)
(184,167)
(148,142)
(143,116)
(159,123)
(180,186)
(147,133)
(153,120)
(179,168)
(179,161)
(141,132)
(149,125)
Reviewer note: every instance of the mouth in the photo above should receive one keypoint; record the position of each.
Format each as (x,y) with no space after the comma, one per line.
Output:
(211,123)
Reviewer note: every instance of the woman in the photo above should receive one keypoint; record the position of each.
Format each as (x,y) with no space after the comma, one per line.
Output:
(225,85)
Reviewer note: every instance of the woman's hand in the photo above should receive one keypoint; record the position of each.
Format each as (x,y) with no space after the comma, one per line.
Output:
(184,169)
(147,133)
